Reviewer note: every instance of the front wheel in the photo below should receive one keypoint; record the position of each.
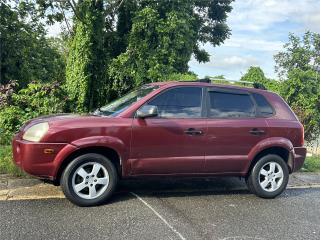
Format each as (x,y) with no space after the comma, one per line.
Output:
(89,180)
(269,177)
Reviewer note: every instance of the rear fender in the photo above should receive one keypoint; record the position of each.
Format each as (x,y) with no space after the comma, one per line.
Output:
(269,143)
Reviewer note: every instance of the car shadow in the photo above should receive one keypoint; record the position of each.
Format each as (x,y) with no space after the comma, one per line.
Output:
(189,187)
(188,184)
(180,187)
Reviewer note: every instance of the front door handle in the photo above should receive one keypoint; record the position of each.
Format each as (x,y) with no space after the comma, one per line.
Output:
(192,131)
(257,132)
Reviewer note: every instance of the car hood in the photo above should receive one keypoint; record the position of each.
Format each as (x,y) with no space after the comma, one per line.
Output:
(54,118)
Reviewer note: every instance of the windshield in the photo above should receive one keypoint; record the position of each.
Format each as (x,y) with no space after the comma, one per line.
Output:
(116,107)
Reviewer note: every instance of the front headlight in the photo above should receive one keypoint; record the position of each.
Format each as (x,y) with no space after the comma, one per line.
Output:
(36,132)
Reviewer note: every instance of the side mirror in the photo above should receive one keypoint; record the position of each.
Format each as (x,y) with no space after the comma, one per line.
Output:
(147,111)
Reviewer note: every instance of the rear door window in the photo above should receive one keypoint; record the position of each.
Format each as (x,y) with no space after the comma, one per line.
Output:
(230,105)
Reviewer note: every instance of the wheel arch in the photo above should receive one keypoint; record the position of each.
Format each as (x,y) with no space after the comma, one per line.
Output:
(283,152)
(275,145)
(108,152)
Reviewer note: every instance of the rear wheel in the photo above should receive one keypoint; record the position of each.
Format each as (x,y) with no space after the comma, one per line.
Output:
(89,180)
(269,176)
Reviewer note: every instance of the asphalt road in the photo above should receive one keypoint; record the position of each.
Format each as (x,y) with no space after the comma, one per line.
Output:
(168,210)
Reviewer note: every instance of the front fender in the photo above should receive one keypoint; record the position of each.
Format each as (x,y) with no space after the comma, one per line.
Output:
(95,141)
(103,141)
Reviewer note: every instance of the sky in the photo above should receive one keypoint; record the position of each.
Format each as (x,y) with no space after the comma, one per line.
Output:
(259,30)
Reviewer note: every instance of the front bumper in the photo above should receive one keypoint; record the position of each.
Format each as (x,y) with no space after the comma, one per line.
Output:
(299,155)
(40,159)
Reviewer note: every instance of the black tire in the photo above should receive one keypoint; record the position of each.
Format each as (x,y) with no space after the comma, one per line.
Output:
(254,178)
(68,178)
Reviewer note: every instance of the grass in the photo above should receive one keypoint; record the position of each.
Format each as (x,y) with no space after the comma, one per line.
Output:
(6,164)
(312,164)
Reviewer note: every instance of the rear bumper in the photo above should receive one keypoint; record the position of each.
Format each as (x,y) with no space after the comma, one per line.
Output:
(299,155)
(32,158)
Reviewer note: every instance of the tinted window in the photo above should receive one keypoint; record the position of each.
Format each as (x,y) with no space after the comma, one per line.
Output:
(230,105)
(182,102)
(264,108)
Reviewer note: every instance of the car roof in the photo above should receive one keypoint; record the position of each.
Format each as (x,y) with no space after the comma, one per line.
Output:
(205,84)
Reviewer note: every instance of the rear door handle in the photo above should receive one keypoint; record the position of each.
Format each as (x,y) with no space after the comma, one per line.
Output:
(257,132)
(192,131)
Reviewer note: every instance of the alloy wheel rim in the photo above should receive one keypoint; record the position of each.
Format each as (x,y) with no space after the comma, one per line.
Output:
(90,180)
(271,176)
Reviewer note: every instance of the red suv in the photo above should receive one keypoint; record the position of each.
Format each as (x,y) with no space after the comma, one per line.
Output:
(166,129)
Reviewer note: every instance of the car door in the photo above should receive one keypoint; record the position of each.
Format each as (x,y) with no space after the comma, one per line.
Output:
(173,142)
(233,130)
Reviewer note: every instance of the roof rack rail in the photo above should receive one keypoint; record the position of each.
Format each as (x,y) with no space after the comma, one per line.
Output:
(245,83)
(205,80)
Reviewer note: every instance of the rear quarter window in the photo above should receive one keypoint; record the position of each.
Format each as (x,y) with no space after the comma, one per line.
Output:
(264,108)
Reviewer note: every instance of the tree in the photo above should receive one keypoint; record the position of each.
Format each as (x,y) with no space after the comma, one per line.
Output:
(298,66)
(299,53)
(85,71)
(163,36)
(254,74)
(119,44)
(25,53)
(302,92)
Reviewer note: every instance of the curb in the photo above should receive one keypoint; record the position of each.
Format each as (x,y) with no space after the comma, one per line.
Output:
(304,186)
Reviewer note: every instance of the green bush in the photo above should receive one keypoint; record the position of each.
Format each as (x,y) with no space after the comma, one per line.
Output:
(312,164)
(6,164)
(11,119)
(35,100)
(40,99)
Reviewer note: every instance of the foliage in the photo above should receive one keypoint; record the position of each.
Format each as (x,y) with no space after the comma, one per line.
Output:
(302,92)
(11,119)
(42,99)
(25,52)
(113,45)
(166,43)
(6,163)
(299,53)
(256,74)
(312,164)
(35,100)
(162,38)
(6,92)
(273,85)
(85,74)
(298,66)
(181,77)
